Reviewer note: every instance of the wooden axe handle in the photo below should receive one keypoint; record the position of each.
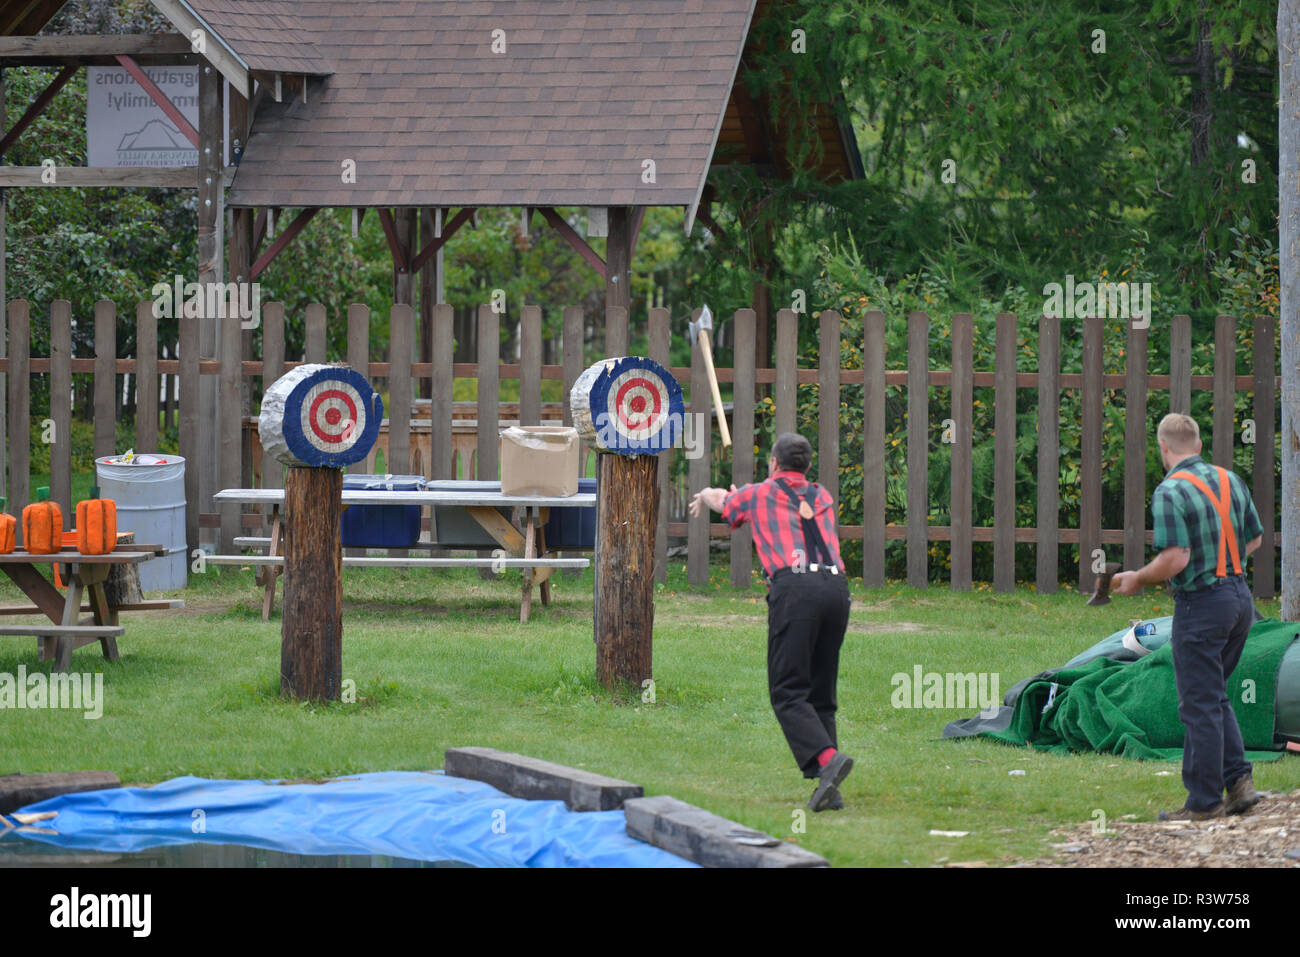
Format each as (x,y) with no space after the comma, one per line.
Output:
(713,384)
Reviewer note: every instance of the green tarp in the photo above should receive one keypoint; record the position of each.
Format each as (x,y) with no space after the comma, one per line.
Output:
(1131,708)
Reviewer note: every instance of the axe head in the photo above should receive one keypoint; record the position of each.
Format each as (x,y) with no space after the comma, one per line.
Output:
(704,322)
(1101,591)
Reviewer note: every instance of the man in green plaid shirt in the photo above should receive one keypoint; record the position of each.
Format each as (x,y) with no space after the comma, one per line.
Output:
(1204,532)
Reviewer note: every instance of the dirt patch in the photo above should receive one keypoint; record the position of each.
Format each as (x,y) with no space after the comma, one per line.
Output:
(1267,836)
(884,627)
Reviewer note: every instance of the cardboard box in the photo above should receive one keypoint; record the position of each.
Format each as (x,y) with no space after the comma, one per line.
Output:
(540,460)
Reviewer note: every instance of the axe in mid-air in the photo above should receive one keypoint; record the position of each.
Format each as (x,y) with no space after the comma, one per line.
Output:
(700,329)
(1101,591)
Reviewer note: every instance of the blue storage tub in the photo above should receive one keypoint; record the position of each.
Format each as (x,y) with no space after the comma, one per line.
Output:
(381,526)
(573,526)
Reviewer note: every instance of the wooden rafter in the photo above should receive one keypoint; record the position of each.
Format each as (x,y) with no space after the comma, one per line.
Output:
(259,230)
(284,239)
(37,108)
(401,256)
(159,97)
(449,230)
(638,214)
(571,236)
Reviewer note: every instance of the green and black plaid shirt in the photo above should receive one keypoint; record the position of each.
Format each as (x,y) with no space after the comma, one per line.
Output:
(1185,518)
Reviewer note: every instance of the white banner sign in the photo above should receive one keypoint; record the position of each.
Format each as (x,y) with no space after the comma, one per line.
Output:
(124,127)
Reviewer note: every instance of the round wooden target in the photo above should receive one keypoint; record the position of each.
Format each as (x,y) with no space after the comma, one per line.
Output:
(321,416)
(630,406)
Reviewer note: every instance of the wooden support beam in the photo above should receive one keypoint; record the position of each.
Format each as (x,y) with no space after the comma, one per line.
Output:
(573,239)
(37,108)
(283,240)
(159,97)
(395,246)
(449,230)
(99,45)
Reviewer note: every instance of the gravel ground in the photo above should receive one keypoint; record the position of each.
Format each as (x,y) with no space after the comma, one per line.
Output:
(1267,836)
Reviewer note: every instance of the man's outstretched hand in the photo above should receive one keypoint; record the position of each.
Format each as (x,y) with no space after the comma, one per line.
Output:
(1126,583)
(712,497)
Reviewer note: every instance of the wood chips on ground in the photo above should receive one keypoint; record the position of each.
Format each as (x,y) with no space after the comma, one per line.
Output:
(1266,836)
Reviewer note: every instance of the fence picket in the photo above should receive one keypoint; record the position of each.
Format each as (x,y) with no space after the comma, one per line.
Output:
(1004,454)
(1047,537)
(918,451)
(1135,448)
(61,406)
(1225,389)
(961,442)
(873,449)
(1090,454)
(744,325)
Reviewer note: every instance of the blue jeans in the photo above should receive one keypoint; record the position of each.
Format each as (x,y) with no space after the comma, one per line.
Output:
(1209,633)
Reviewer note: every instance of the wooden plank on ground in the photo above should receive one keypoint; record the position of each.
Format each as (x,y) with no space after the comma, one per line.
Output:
(958,434)
(1090,454)
(1225,379)
(1004,455)
(785,395)
(1265,368)
(1047,537)
(61,407)
(1135,448)
(744,327)
(918,447)
(20,790)
(523,777)
(105,378)
(873,450)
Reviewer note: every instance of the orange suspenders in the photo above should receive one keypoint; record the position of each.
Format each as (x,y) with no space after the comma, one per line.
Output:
(1223,505)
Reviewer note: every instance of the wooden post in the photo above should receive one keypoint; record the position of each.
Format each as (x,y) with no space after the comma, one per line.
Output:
(697,537)
(618,280)
(530,366)
(1225,390)
(311,633)
(787,371)
(961,442)
(442,463)
(1090,453)
(627,512)
(1048,517)
(272,369)
(1180,365)
(1135,448)
(20,399)
(207,464)
(873,450)
(61,407)
(1265,364)
(742,420)
(359,359)
(1004,455)
(828,405)
(105,378)
(918,448)
(188,419)
(146,378)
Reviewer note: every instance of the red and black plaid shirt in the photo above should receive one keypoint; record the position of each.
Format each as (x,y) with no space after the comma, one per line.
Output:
(778,533)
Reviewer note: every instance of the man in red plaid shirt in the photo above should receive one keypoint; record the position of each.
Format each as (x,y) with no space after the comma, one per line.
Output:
(807,605)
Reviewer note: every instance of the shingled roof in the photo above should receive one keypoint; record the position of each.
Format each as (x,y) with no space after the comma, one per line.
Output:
(585,93)
(265,36)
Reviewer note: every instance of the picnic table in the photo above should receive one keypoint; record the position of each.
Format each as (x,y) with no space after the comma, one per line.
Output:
(85,576)
(525,547)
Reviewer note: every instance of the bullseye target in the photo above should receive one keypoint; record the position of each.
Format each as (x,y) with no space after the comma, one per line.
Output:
(630,406)
(319,415)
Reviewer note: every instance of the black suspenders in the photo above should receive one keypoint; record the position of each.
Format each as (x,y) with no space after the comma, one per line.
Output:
(812,535)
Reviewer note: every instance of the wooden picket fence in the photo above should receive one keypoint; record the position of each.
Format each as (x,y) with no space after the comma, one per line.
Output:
(218,455)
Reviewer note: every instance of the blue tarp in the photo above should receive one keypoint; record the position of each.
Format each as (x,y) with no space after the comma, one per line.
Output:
(424,816)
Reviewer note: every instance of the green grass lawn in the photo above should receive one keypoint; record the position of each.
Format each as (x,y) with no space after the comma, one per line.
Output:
(440,660)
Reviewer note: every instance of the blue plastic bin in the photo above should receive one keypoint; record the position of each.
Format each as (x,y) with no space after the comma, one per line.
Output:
(381,526)
(573,526)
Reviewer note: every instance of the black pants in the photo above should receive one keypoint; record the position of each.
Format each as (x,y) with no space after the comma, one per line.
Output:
(1209,633)
(807,614)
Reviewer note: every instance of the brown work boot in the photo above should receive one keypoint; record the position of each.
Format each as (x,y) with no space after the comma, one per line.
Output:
(1187,814)
(1242,796)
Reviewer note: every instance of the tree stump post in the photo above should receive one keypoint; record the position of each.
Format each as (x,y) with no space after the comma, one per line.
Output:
(311,630)
(627,516)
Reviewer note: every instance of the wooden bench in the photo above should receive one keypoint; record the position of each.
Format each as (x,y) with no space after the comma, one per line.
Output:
(67,638)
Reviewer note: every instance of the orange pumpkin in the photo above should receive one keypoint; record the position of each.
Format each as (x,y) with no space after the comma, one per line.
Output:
(43,525)
(8,530)
(96,525)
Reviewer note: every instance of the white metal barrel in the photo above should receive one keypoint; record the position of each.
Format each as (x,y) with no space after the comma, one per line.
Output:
(151,502)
